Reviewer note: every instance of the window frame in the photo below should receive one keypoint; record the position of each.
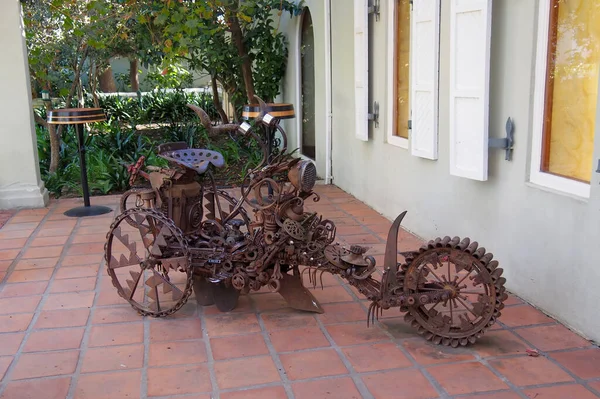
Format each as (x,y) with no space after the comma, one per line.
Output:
(391,137)
(536,175)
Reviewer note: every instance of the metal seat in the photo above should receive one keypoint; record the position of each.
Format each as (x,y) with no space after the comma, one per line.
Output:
(196,159)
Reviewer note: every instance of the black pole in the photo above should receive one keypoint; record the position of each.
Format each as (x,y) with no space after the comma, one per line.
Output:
(84,181)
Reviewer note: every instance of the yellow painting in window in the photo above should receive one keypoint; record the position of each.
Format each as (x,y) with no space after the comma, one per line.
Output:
(402,68)
(572,88)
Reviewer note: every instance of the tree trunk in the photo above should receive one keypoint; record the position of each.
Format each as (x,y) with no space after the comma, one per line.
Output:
(134,81)
(107,81)
(217,101)
(236,35)
(54,141)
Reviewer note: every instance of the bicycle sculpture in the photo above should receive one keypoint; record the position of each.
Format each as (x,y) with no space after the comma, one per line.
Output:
(184,234)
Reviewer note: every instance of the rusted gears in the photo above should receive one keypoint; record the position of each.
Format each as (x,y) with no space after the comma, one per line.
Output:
(471,291)
(149,264)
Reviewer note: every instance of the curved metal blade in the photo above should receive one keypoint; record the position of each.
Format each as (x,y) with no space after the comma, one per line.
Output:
(297,296)
(391,247)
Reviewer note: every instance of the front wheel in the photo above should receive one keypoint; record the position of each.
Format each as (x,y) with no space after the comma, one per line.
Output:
(148,262)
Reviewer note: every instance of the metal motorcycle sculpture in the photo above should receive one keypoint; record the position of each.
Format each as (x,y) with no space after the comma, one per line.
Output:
(184,234)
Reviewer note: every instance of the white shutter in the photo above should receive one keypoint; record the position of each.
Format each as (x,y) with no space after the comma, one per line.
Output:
(425,35)
(470,33)
(361,69)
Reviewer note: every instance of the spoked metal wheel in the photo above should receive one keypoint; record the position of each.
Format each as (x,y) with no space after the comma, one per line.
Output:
(471,290)
(149,262)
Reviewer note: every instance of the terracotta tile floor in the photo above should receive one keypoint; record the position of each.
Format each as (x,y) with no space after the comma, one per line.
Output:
(64,332)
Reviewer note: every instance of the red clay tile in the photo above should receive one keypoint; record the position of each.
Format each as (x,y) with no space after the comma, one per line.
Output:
(54,388)
(9,234)
(110,297)
(47,340)
(262,393)
(22,276)
(397,327)
(361,239)
(42,252)
(88,238)
(92,230)
(24,304)
(287,319)
(85,249)
(399,384)
(4,364)
(112,334)
(355,333)
(297,339)
(109,385)
(4,265)
(596,386)
(45,364)
(376,357)
(342,313)
(81,260)
(10,343)
(551,338)
(72,284)
(583,363)
(245,372)
(54,232)
(497,395)
(62,318)
(49,241)
(523,315)
(467,378)
(59,224)
(499,343)
(41,263)
(234,347)
(118,314)
(311,364)
(178,380)
(13,243)
(268,301)
(570,391)
(331,388)
(528,370)
(113,358)
(12,226)
(77,272)
(15,322)
(426,353)
(232,323)
(174,330)
(177,352)
(22,218)
(331,294)
(69,300)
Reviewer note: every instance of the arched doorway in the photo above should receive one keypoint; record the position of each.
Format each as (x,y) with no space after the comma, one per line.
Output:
(307,86)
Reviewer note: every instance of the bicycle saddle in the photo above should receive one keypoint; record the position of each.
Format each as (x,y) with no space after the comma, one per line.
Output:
(196,159)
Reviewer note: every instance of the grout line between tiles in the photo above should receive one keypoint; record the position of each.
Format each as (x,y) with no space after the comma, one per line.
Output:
(210,360)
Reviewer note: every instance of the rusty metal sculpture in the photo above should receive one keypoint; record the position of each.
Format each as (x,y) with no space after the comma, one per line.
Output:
(184,234)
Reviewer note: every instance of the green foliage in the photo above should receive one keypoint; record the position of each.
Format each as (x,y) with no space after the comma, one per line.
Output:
(125,136)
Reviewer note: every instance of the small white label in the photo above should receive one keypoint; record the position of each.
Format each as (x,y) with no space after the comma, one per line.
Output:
(268,119)
(245,126)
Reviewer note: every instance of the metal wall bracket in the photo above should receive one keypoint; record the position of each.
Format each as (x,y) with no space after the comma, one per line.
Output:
(598,168)
(505,143)
(374,9)
(375,115)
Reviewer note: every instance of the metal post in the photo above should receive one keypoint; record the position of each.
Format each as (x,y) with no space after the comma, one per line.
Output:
(84,180)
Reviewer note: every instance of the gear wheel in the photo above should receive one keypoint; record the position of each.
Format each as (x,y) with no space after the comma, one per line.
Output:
(476,285)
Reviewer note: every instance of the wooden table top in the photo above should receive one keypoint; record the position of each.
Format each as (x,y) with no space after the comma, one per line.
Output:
(71,116)
(277,110)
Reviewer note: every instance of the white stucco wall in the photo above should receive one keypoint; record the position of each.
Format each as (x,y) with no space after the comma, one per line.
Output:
(545,241)
(20,184)
(291,89)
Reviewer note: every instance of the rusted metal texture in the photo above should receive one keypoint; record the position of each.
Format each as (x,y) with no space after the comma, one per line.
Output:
(179,233)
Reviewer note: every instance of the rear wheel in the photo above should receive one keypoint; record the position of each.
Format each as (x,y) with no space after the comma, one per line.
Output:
(471,277)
